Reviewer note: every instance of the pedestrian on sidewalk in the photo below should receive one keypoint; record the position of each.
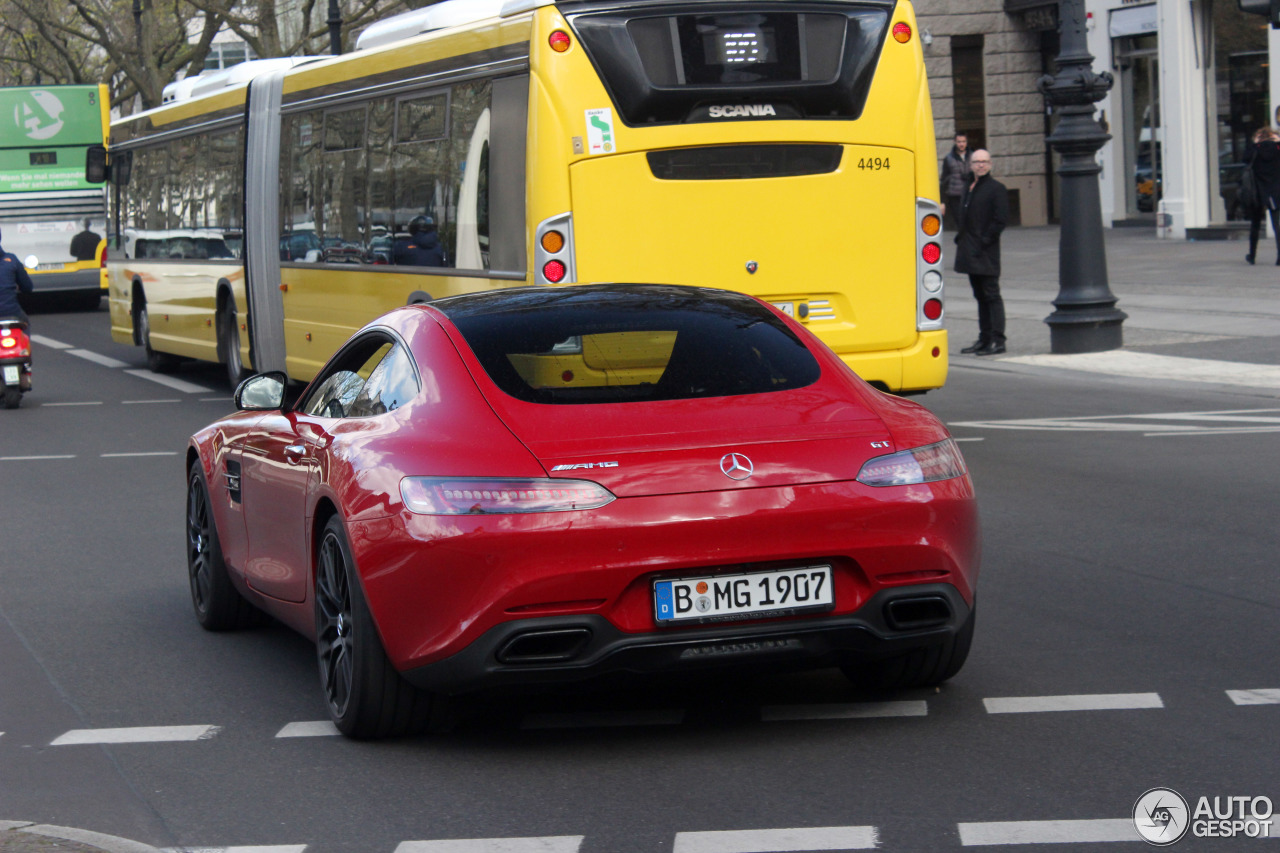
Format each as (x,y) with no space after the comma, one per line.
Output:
(955,175)
(1263,157)
(983,214)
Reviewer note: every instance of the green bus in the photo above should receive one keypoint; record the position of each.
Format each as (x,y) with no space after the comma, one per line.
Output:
(51,217)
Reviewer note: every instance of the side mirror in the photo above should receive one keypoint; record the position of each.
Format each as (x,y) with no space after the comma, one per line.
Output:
(262,393)
(31,262)
(95,164)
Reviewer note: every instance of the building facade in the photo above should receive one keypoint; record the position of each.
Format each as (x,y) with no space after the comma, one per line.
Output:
(1193,81)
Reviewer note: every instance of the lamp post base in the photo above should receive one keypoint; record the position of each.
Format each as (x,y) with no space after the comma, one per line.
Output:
(1069,336)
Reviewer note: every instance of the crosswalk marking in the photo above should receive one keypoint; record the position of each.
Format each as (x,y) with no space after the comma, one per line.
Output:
(777,840)
(136,734)
(1094,702)
(1265,696)
(1151,366)
(1047,832)
(849,711)
(313,728)
(547,844)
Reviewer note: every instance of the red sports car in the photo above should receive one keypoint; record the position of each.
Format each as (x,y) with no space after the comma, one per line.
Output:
(541,485)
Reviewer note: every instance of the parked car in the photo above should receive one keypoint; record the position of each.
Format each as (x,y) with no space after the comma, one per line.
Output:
(542,485)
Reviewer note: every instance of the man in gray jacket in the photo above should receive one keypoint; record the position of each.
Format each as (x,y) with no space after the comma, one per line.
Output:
(956,175)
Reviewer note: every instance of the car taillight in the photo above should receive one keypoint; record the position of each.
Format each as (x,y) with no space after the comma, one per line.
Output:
(495,496)
(940,461)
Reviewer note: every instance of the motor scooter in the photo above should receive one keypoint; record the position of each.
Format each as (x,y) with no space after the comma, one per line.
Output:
(15,361)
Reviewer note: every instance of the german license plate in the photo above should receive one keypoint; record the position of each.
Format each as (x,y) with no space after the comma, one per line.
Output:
(743,596)
(11,374)
(51,267)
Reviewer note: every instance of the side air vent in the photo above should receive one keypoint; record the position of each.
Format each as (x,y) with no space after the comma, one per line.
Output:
(734,162)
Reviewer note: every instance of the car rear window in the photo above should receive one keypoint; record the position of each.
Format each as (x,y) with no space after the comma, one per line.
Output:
(619,343)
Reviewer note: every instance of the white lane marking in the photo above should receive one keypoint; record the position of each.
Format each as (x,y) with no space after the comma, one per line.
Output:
(1047,832)
(254,848)
(851,711)
(316,728)
(170,382)
(1264,696)
(968,439)
(603,719)
(217,399)
(86,403)
(1147,365)
(49,342)
(1094,702)
(150,453)
(545,844)
(777,840)
(34,458)
(1207,423)
(144,402)
(104,360)
(135,734)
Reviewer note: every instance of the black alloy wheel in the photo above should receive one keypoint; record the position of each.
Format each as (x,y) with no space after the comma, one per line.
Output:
(365,695)
(218,606)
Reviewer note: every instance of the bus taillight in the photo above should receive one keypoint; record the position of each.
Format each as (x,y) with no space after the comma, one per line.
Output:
(559,41)
(933,309)
(902,32)
(553,271)
(932,253)
(931,225)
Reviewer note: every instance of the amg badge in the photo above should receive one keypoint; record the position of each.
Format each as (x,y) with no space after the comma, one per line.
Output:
(578,465)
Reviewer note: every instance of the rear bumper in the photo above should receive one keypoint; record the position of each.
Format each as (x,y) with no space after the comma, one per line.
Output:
(80,281)
(565,649)
(915,368)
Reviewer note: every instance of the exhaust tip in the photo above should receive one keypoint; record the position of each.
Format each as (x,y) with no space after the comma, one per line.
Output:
(553,646)
(912,614)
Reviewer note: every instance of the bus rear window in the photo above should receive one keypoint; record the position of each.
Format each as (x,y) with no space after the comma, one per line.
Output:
(802,61)
(619,343)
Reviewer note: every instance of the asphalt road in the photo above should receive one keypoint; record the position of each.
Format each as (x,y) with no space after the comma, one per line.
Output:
(1126,565)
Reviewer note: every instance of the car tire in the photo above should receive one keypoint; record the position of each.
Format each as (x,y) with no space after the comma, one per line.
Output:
(229,345)
(158,362)
(217,603)
(924,667)
(366,697)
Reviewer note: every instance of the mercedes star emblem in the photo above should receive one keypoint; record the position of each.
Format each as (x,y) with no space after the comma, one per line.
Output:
(736,466)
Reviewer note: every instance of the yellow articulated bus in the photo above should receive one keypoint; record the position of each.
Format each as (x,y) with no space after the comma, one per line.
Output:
(782,149)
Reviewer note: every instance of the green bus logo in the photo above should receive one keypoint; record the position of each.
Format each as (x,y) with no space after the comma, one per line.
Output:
(39,115)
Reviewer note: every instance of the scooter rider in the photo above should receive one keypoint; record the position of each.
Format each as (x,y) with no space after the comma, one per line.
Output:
(13,277)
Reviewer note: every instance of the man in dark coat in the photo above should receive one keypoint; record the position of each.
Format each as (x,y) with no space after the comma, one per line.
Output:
(984,212)
(423,248)
(1262,155)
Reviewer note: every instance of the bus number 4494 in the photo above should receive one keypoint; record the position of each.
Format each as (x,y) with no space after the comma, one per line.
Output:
(874,164)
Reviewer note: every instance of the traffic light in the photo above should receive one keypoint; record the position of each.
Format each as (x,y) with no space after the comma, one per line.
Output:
(1270,8)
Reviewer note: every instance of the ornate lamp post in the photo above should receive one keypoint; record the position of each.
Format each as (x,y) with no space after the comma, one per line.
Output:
(1085,318)
(335,28)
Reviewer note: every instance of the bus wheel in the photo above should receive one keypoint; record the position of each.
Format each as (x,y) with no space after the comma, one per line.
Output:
(229,345)
(158,362)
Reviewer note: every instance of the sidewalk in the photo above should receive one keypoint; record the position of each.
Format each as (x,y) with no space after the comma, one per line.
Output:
(1188,299)
(25,837)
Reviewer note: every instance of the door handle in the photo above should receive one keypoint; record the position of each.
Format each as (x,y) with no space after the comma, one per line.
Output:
(295,452)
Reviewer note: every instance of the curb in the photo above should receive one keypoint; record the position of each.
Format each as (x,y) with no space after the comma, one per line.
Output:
(89,842)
